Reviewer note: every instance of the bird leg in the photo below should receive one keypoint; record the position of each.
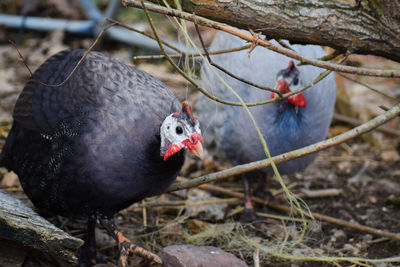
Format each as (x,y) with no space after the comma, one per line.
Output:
(87,254)
(248,214)
(125,246)
(265,189)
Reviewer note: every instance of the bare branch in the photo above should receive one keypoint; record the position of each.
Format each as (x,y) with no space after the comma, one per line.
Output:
(248,37)
(228,72)
(369,87)
(213,97)
(356,122)
(261,164)
(116,22)
(99,36)
(21,57)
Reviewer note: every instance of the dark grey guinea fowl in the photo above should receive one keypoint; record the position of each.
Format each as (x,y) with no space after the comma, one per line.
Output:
(286,125)
(109,136)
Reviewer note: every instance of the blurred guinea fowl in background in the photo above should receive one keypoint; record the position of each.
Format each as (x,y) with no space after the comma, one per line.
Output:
(103,139)
(286,125)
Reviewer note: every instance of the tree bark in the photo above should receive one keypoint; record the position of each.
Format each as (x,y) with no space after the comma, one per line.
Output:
(368,27)
(25,227)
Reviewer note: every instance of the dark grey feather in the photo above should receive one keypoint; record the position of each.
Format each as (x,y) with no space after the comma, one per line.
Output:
(92,144)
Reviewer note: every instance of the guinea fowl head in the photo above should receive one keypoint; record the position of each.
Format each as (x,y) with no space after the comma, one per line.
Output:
(181,130)
(288,80)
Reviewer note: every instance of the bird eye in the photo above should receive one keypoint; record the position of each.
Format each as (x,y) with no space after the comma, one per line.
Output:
(179,130)
(295,81)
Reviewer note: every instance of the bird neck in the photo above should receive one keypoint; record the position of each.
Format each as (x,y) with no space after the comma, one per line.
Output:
(288,115)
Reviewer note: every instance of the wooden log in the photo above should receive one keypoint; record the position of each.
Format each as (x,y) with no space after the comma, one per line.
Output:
(369,27)
(24,226)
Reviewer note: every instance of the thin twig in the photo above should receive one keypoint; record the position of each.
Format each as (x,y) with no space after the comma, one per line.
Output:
(256,258)
(287,209)
(328,57)
(261,164)
(210,202)
(116,22)
(228,72)
(79,62)
(330,192)
(222,51)
(144,214)
(385,108)
(369,87)
(185,203)
(21,57)
(379,240)
(356,122)
(148,204)
(278,217)
(344,158)
(248,37)
(283,44)
(280,191)
(358,175)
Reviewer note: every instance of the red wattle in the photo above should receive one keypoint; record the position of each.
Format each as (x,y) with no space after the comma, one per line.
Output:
(173,149)
(191,144)
(298,100)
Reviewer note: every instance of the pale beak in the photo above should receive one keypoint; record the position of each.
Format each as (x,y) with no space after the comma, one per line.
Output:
(197,149)
(195,145)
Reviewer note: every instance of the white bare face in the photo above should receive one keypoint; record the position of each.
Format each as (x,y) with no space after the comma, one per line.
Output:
(175,131)
(294,82)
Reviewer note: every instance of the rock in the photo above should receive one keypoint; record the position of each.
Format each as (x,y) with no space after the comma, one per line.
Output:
(344,166)
(172,233)
(386,185)
(339,238)
(390,155)
(9,179)
(205,212)
(198,256)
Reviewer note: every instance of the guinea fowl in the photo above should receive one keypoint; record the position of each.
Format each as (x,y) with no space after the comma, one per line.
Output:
(298,121)
(109,136)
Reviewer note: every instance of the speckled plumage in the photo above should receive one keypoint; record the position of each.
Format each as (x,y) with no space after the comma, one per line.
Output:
(228,132)
(91,145)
